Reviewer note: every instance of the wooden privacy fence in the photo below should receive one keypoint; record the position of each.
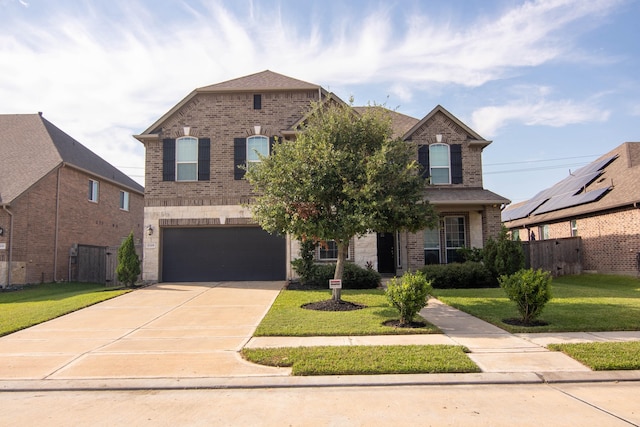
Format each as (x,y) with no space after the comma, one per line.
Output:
(97,264)
(559,256)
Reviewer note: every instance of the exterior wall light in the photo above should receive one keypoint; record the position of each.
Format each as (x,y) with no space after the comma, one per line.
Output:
(149,230)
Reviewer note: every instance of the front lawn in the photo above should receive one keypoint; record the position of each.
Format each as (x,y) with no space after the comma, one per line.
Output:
(580,303)
(287,317)
(38,303)
(365,360)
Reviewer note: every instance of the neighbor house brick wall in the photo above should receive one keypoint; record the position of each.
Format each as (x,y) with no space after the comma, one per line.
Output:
(610,241)
(79,222)
(220,117)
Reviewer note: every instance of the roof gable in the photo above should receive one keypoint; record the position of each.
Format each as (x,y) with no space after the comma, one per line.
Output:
(439,109)
(265,81)
(31,147)
(262,81)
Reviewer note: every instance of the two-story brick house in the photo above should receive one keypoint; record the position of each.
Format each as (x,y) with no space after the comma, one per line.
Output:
(199,228)
(56,194)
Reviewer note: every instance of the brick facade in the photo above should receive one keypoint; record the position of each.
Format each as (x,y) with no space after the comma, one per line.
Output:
(610,241)
(39,253)
(226,111)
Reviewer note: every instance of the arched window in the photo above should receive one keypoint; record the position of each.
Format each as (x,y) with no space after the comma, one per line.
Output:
(257,146)
(187,159)
(439,164)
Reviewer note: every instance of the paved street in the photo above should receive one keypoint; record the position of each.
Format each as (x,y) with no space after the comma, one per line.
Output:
(591,404)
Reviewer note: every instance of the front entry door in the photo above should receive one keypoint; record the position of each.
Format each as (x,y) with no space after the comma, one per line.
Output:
(386,253)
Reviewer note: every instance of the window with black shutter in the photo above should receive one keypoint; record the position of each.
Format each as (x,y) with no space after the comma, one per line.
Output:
(456,163)
(239,157)
(168,159)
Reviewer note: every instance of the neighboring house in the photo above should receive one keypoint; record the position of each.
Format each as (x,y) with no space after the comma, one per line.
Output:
(600,203)
(196,196)
(56,194)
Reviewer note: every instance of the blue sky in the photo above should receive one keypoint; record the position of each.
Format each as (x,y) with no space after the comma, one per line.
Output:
(554,84)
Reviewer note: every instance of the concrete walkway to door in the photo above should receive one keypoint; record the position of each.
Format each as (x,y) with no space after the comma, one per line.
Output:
(168,330)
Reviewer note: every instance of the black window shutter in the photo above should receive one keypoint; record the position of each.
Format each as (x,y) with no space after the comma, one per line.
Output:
(423,160)
(204,159)
(239,157)
(168,159)
(272,142)
(455,151)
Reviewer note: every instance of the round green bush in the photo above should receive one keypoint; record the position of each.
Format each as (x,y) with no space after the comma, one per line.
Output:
(408,295)
(530,290)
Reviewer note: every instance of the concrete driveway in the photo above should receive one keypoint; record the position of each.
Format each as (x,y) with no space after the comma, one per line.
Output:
(167,330)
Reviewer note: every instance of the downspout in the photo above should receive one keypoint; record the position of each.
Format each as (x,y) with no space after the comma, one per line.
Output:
(6,209)
(55,232)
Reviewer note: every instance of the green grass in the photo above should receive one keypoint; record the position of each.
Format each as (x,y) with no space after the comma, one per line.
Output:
(580,303)
(365,360)
(287,318)
(35,304)
(604,356)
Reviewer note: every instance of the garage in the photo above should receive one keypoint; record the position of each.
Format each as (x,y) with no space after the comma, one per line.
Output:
(222,253)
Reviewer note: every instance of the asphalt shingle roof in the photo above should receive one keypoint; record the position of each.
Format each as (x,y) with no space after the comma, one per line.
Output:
(262,81)
(31,147)
(616,186)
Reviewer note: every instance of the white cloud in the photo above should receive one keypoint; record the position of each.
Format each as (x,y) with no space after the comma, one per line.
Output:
(488,120)
(102,79)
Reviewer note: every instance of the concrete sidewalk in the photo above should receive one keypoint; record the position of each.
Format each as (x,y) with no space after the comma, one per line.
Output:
(494,350)
(188,335)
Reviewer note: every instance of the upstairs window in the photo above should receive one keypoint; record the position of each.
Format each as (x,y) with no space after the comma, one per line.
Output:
(441,163)
(257,102)
(93,190)
(256,146)
(440,168)
(124,200)
(186,159)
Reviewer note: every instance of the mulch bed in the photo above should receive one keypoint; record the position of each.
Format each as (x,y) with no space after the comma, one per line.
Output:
(332,305)
(513,321)
(396,324)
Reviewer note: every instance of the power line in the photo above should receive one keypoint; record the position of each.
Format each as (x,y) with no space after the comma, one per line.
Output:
(537,169)
(538,161)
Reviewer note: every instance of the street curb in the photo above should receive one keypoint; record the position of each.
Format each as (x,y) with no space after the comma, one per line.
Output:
(265,382)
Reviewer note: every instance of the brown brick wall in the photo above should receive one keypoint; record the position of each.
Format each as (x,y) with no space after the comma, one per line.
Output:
(220,117)
(79,221)
(610,241)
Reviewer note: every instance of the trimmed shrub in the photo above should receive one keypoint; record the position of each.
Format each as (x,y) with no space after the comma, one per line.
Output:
(530,290)
(503,256)
(128,268)
(353,277)
(408,295)
(459,275)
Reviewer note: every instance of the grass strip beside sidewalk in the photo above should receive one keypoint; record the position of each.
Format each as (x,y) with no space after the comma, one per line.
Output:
(603,356)
(365,360)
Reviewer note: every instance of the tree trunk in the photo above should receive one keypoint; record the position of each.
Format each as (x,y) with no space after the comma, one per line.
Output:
(343,250)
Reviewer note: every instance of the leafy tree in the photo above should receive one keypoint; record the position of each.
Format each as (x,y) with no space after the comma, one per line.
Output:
(408,295)
(343,176)
(503,256)
(128,268)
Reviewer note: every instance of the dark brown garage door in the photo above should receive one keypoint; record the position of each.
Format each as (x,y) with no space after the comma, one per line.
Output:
(222,253)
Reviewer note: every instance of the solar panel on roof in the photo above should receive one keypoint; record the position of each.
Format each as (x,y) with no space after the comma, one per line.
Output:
(565,193)
(522,211)
(567,201)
